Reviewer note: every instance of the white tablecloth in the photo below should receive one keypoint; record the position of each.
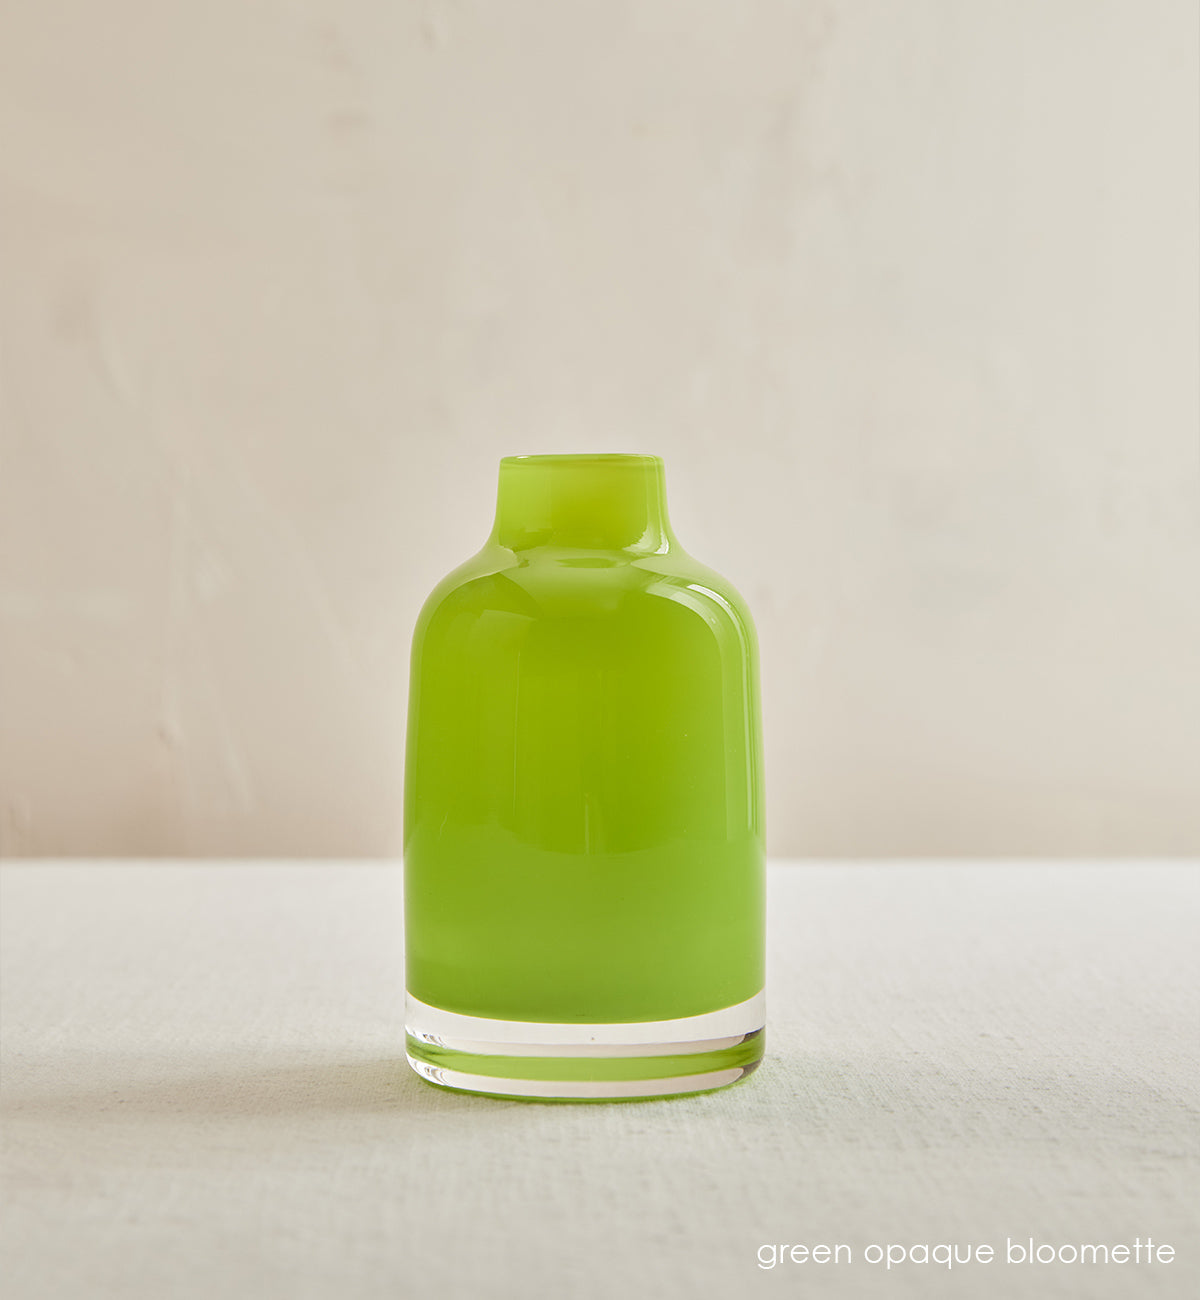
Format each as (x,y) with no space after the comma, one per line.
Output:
(206,1097)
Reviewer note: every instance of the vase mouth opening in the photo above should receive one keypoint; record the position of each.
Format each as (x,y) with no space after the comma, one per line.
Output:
(575,459)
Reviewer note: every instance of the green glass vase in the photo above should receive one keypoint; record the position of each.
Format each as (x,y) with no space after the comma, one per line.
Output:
(583,839)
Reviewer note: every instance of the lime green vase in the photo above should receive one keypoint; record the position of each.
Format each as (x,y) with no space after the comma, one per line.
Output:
(583,839)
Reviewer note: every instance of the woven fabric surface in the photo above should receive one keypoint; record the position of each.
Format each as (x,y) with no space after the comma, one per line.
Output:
(205,1096)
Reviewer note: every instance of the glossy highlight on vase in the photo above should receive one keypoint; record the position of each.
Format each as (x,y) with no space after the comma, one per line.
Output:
(583,802)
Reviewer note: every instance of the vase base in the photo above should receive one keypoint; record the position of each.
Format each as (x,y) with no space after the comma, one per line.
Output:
(585,1062)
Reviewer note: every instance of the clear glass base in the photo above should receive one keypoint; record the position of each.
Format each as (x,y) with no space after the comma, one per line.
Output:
(564,1062)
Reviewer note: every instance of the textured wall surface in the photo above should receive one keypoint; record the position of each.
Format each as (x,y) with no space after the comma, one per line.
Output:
(906,295)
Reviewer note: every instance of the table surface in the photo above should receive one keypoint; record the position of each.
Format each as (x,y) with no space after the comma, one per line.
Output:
(206,1096)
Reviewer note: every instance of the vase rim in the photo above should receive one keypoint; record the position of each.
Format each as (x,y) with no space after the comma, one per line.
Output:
(577,458)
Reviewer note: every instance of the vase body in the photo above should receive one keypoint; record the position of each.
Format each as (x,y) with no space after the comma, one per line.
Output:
(583,840)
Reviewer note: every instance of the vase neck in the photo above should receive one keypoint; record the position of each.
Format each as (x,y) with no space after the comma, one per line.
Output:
(601,502)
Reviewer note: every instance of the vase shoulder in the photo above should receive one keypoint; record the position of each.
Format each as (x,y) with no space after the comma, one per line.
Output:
(588,584)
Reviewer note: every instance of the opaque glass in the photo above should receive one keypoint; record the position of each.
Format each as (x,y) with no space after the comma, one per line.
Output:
(583,808)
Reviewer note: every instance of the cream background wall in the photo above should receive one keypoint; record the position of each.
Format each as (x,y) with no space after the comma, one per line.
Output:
(905,294)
